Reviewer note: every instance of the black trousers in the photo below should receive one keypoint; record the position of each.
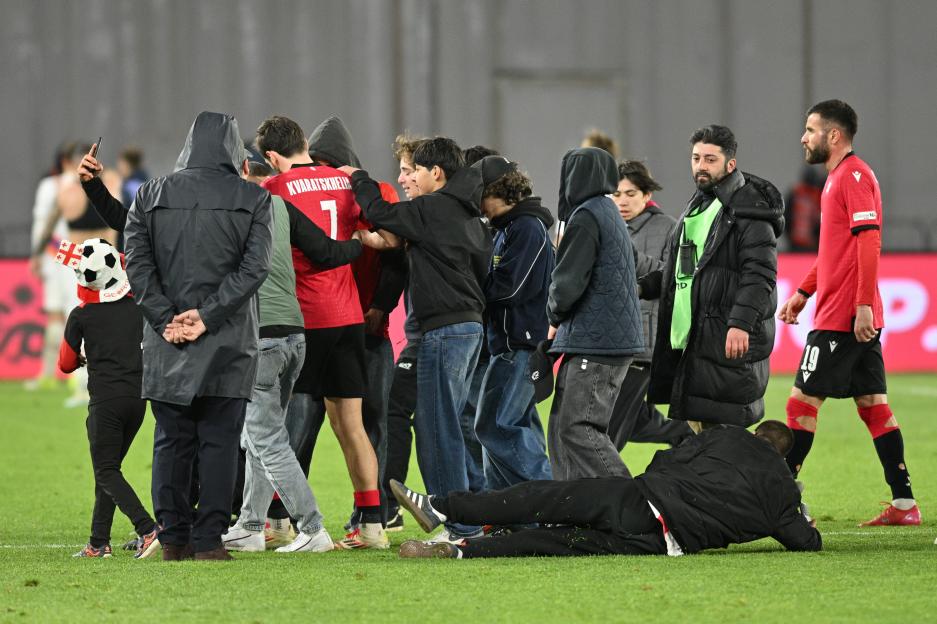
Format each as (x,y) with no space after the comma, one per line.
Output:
(598,516)
(400,409)
(112,425)
(635,419)
(304,427)
(209,430)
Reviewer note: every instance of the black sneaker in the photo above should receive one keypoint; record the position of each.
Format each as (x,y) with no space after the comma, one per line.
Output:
(417,504)
(101,552)
(415,549)
(133,544)
(394,522)
(353,521)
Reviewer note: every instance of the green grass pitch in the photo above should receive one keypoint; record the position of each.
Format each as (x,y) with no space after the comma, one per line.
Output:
(873,574)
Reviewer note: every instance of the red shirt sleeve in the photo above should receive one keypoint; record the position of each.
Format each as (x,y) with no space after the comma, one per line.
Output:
(809,284)
(869,247)
(70,348)
(388,192)
(859,195)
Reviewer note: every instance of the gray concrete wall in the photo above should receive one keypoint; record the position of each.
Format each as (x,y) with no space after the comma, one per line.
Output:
(526,76)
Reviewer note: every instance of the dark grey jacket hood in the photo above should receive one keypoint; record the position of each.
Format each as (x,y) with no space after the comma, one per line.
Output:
(465,186)
(586,172)
(331,141)
(214,142)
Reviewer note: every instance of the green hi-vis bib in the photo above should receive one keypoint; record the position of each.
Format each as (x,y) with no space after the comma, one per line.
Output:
(696,226)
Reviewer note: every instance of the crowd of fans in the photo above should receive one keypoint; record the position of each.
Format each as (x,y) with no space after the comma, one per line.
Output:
(261,276)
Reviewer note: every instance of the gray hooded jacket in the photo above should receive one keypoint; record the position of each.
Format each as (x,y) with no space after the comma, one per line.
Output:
(200,238)
(650,235)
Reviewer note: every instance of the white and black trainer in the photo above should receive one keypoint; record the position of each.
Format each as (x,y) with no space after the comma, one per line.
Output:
(418,505)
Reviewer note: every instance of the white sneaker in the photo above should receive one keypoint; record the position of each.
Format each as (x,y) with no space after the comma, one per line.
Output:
(445,537)
(278,532)
(365,535)
(239,538)
(79,399)
(318,542)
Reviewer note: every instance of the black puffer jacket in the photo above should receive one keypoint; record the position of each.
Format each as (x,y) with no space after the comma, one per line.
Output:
(734,286)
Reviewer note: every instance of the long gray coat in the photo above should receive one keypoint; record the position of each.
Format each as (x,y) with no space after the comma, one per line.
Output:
(200,238)
(650,235)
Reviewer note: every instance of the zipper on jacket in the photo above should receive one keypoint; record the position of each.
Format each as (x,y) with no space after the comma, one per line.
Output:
(507,334)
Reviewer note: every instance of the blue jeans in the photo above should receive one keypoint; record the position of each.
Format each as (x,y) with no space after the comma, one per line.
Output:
(508,426)
(270,461)
(445,366)
(474,454)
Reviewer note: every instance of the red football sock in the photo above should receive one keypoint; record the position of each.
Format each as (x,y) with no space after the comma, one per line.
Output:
(368,503)
(878,419)
(802,419)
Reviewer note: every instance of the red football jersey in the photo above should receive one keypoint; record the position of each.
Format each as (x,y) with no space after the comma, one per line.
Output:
(367,268)
(851,202)
(327,298)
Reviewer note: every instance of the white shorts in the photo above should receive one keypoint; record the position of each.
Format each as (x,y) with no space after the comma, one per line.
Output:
(59,287)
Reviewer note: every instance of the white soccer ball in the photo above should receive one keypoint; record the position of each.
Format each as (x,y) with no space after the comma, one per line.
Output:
(99,267)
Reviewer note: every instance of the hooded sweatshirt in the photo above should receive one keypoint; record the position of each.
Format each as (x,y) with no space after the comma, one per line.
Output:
(450,247)
(331,142)
(380,276)
(519,277)
(593,299)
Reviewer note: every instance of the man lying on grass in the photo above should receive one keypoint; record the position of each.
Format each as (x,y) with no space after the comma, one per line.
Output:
(720,487)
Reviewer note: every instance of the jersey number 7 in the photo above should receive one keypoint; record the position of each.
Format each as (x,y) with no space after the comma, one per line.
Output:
(331,207)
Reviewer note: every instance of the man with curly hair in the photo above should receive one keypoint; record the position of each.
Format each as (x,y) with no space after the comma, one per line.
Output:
(507,423)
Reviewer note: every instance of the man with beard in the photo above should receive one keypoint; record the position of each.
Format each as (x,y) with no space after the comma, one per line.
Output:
(843,354)
(717,292)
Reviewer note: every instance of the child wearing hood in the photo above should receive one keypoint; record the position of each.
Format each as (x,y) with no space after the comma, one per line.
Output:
(109,325)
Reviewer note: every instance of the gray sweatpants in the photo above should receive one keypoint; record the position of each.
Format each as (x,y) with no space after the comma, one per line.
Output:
(578,439)
(271,464)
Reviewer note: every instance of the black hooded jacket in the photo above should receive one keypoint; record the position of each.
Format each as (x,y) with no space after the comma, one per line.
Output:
(734,286)
(331,142)
(519,279)
(727,486)
(200,238)
(450,247)
(593,299)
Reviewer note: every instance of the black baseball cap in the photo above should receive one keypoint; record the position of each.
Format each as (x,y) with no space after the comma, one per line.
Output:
(493,168)
(540,371)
